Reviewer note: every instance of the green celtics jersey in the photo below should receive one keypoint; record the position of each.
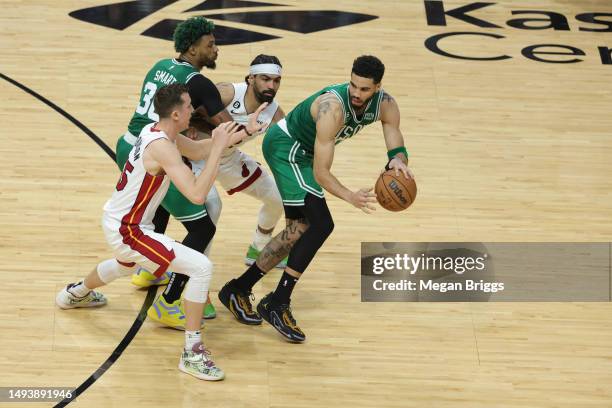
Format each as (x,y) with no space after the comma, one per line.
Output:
(302,127)
(164,72)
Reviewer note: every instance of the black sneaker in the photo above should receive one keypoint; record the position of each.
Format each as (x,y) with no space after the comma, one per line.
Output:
(238,302)
(280,317)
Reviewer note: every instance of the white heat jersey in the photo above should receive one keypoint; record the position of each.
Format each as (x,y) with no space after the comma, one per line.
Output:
(239,114)
(138,193)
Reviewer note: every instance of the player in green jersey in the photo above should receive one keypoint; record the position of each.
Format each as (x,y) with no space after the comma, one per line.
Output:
(195,42)
(300,150)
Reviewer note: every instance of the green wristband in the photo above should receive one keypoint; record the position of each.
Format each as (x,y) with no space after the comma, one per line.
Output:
(391,153)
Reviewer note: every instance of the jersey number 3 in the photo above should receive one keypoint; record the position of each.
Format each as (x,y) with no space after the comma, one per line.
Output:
(146,107)
(123,180)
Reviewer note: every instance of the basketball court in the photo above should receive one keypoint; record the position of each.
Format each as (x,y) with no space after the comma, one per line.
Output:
(506,146)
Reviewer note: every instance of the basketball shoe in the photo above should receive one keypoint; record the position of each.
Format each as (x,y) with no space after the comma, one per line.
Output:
(144,279)
(173,314)
(66,300)
(198,362)
(280,317)
(238,302)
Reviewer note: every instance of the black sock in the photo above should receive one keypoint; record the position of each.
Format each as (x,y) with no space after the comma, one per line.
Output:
(249,278)
(175,287)
(284,288)
(199,233)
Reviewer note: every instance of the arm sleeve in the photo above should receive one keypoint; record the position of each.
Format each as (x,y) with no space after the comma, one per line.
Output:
(204,93)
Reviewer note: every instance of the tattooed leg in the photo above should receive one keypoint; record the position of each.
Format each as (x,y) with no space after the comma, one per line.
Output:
(281,244)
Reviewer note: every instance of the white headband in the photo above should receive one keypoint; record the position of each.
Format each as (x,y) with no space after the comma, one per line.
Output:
(272,69)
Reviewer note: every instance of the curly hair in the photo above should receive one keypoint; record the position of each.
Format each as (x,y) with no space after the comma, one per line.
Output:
(189,32)
(368,66)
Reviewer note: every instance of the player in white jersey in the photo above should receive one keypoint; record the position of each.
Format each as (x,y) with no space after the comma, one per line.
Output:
(154,161)
(238,171)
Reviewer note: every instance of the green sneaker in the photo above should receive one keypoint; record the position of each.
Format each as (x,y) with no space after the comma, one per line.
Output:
(209,311)
(252,255)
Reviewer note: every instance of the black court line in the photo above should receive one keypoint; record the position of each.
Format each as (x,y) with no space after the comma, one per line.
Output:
(127,339)
(129,336)
(65,114)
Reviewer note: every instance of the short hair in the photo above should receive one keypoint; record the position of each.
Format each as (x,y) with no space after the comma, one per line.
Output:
(368,66)
(264,59)
(190,31)
(168,97)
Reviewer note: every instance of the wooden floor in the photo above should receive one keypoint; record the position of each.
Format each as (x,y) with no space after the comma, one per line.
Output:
(512,150)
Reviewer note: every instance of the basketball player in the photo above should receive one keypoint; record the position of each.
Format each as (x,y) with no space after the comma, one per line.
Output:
(195,42)
(154,161)
(238,172)
(300,150)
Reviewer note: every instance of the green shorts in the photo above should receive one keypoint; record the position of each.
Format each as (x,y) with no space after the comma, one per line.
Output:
(291,166)
(174,202)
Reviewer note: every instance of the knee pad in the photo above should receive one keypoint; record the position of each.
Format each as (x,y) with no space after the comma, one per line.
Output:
(318,215)
(110,270)
(196,289)
(200,233)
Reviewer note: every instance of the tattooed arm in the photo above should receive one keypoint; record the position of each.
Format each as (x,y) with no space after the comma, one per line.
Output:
(329,118)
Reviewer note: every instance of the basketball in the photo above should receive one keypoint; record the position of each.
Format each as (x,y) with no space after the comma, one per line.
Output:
(395,193)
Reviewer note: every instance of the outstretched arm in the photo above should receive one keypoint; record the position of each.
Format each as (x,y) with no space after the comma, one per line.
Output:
(169,159)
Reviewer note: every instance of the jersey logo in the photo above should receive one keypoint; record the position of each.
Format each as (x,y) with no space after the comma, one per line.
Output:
(368,116)
(245,170)
(122,15)
(236,104)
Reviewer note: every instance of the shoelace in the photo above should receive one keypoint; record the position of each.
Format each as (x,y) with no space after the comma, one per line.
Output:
(286,309)
(246,304)
(206,357)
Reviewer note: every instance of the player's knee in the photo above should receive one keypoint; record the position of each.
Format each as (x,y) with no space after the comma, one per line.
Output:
(324,225)
(294,230)
(202,271)
(199,281)
(318,215)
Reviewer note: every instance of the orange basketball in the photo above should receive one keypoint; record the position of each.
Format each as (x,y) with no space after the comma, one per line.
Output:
(395,193)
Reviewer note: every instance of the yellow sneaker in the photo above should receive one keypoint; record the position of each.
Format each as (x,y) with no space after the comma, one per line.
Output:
(144,279)
(168,314)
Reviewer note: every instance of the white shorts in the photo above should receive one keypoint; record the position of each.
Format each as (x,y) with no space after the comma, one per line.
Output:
(238,171)
(135,244)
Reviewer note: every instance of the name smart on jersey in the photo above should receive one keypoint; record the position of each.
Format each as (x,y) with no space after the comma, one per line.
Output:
(165,77)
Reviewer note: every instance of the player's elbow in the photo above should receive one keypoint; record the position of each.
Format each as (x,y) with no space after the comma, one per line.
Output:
(321,176)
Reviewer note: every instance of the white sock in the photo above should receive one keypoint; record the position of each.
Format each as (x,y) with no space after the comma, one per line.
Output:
(192,338)
(260,240)
(79,289)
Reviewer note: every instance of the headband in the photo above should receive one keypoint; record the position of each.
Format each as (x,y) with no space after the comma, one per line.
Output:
(272,69)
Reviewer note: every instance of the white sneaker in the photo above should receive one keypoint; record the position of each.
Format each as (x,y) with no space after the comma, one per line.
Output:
(67,300)
(198,362)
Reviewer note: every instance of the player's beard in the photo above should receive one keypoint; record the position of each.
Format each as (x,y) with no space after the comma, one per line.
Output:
(210,62)
(358,107)
(264,96)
